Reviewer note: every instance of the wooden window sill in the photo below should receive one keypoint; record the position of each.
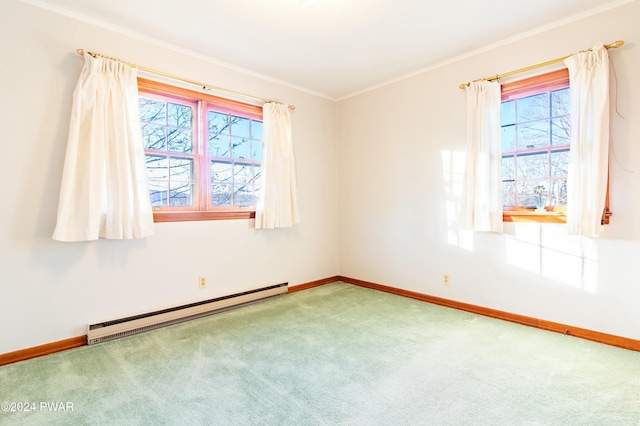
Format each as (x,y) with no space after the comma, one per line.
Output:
(530,215)
(187,216)
(550,215)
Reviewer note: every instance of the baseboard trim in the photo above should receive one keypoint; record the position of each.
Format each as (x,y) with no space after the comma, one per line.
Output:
(76,342)
(595,336)
(311,284)
(46,349)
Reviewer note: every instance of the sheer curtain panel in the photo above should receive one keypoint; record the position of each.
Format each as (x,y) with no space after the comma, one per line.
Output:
(277,205)
(481,204)
(104,191)
(589,155)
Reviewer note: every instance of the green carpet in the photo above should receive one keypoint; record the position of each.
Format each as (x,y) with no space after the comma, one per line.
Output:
(333,355)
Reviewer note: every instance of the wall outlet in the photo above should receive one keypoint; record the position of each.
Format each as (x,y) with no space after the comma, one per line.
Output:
(202,282)
(446,279)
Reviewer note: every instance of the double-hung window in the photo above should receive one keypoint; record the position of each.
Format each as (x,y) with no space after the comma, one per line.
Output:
(203,153)
(535,136)
(535,120)
(536,132)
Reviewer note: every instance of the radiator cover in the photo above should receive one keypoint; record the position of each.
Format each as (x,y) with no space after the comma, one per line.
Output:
(115,329)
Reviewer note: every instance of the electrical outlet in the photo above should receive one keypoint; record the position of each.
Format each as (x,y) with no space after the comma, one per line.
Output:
(202,282)
(446,279)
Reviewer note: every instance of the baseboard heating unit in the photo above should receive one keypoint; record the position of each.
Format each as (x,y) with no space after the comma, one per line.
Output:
(114,329)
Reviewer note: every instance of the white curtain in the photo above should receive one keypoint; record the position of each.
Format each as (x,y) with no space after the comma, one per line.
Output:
(589,155)
(481,204)
(104,191)
(277,205)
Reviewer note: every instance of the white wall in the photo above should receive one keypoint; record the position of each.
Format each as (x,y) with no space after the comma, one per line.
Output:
(50,290)
(400,149)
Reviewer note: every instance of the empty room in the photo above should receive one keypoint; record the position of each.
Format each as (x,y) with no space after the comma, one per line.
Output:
(324,212)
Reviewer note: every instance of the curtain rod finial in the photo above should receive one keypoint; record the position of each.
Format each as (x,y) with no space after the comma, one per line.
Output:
(615,44)
(80,52)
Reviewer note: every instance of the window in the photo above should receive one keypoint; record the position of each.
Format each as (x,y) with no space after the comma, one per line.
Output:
(535,119)
(535,135)
(536,131)
(202,153)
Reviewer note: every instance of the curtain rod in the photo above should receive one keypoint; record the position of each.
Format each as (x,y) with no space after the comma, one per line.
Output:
(613,45)
(81,52)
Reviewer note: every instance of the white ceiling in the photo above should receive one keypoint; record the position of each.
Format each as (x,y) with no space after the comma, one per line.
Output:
(334,48)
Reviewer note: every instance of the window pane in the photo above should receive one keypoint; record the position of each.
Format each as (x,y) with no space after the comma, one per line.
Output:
(221,195)
(508,194)
(158,173)
(256,129)
(507,113)
(532,166)
(508,172)
(181,169)
(181,194)
(560,102)
(153,137)
(179,115)
(181,180)
(221,172)
(240,127)
(244,197)
(257,172)
(157,167)
(240,148)
(243,179)
(533,135)
(219,146)
(533,107)
(242,175)
(221,184)
(508,138)
(561,131)
(256,147)
(559,163)
(526,194)
(158,192)
(558,193)
(152,111)
(218,123)
(243,184)
(179,140)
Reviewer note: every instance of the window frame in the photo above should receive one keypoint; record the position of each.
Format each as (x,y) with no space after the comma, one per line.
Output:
(550,81)
(202,102)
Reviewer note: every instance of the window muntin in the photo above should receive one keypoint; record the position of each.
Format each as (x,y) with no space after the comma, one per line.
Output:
(203,153)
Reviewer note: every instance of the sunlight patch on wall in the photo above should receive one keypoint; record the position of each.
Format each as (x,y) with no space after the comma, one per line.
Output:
(546,249)
(452,177)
